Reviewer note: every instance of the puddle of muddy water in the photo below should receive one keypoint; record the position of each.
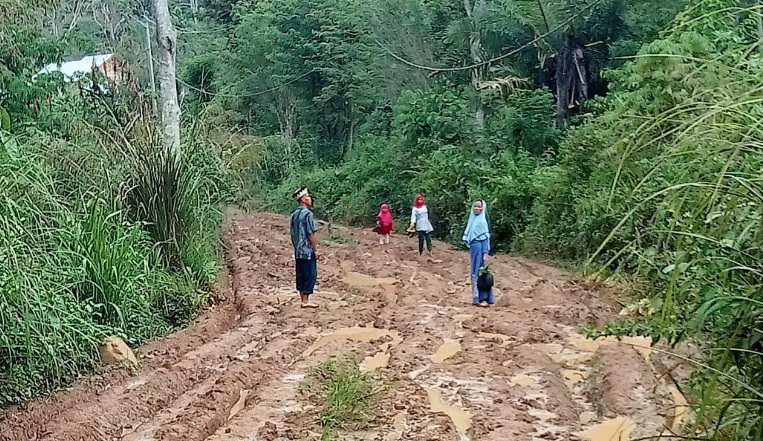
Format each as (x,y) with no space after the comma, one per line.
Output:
(581,343)
(573,377)
(390,293)
(354,334)
(680,409)
(239,405)
(542,414)
(448,349)
(280,298)
(473,389)
(549,348)
(571,358)
(309,332)
(136,383)
(414,374)
(365,281)
(617,429)
(461,419)
(399,426)
(642,345)
(293,378)
(523,380)
(245,352)
(378,361)
(333,295)
(587,416)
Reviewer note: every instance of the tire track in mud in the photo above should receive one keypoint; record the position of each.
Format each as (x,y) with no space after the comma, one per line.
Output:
(516,371)
(174,374)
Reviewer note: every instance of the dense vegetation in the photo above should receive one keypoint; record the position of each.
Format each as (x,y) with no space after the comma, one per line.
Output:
(101,234)
(621,136)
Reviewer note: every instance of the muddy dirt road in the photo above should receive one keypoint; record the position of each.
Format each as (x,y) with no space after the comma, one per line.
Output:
(517,371)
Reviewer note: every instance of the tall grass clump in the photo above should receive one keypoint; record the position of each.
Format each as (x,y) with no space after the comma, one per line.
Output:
(178,198)
(160,195)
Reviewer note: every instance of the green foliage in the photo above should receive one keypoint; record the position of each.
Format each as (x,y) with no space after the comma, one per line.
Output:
(60,294)
(663,183)
(316,70)
(453,179)
(522,120)
(219,10)
(352,193)
(420,159)
(441,117)
(102,235)
(200,75)
(5,120)
(314,60)
(23,51)
(76,267)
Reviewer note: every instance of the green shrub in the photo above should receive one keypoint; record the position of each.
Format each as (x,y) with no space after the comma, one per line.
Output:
(76,267)
(433,151)
(353,192)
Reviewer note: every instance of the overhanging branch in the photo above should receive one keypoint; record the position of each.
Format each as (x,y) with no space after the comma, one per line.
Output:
(438,70)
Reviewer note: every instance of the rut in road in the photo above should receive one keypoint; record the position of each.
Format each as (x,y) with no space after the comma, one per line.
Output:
(517,371)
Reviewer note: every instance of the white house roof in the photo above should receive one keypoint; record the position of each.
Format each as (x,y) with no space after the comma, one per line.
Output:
(73,69)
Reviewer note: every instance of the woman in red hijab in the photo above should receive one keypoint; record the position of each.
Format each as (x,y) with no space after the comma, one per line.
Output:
(421,225)
(384,222)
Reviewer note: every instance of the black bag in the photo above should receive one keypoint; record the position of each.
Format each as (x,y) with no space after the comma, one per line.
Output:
(485,281)
(435,221)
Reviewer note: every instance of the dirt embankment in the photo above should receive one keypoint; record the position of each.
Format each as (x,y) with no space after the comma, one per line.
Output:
(516,371)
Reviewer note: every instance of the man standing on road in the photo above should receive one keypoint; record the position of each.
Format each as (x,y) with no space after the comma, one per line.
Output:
(305,244)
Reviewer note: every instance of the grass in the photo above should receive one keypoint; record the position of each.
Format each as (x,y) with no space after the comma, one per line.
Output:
(97,242)
(696,167)
(347,396)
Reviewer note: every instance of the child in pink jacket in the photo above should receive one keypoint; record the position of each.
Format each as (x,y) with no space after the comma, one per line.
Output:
(384,222)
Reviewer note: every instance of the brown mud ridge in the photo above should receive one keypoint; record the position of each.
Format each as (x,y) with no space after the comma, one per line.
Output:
(517,371)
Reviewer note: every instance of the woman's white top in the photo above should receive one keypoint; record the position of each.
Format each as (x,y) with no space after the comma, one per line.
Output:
(420,217)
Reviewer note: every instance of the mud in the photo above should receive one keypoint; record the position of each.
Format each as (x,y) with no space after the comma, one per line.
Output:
(460,418)
(451,371)
(446,350)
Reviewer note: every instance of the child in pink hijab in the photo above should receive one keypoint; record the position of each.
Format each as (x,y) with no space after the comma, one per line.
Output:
(384,222)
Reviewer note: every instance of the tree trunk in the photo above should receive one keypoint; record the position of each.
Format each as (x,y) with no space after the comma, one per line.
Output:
(477,74)
(166,39)
(479,114)
(351,138)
